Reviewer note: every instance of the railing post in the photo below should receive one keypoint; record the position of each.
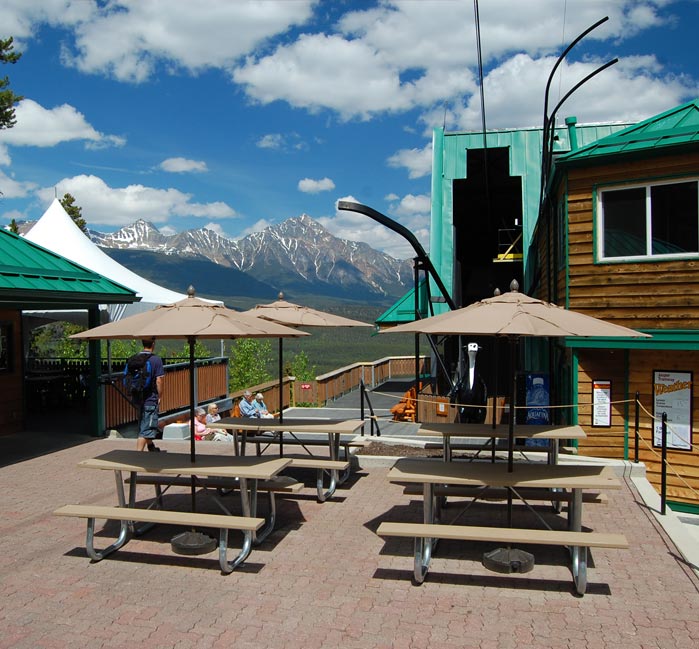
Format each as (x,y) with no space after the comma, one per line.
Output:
(663,471)
(636,429)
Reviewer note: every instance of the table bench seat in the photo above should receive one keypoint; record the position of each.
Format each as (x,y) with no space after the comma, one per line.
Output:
(224,523)
(494,493)
(425,533)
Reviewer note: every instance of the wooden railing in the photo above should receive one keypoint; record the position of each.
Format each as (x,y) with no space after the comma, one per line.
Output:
(330,386)
(211,382)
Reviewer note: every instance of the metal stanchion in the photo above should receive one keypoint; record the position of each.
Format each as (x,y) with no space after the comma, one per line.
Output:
(636,429)
(663,471)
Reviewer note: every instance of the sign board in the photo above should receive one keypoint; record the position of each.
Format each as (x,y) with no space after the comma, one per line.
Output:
(601,403)
(672,394)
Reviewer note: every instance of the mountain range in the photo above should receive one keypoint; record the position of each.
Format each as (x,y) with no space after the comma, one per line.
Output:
(298,257)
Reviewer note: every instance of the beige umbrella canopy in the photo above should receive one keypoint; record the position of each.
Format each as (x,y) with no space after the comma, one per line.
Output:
(191,319)
(514,315)
(295,315)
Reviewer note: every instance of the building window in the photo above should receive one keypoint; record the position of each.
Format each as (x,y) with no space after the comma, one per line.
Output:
(649,221)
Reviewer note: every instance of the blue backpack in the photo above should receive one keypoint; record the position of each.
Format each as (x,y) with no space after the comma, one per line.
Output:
(138,376)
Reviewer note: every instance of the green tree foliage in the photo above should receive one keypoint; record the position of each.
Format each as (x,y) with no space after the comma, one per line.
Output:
(74,211)
(301,368)
(52,341)
(8,99)
(249,358)
(13,227)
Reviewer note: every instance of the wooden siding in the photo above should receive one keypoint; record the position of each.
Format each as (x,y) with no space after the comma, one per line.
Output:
(683,466)
(646,295)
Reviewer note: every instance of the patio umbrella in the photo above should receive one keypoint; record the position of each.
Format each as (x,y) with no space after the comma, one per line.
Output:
(295,315)
(514,315)
(191,319)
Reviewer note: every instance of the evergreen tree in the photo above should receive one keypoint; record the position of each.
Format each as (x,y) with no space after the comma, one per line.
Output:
(74,211)
(8,99)
(13,227)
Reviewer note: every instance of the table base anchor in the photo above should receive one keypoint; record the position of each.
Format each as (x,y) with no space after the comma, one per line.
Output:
(508,560)
(192,543)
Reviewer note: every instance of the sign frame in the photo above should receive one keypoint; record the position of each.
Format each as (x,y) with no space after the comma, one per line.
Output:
(673,394)
(601,403)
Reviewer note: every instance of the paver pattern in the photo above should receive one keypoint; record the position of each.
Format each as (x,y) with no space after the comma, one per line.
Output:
(323,579)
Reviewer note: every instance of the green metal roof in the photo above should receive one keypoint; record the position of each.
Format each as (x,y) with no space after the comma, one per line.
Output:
(678,126)
(33,277)
(403,310)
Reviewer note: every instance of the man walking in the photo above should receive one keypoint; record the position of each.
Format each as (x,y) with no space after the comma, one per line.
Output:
(149,406)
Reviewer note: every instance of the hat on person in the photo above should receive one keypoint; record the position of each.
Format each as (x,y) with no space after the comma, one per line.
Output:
(259,396)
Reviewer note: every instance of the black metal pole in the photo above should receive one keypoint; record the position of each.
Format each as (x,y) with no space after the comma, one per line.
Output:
(636,428)
(663,470)
(192,450)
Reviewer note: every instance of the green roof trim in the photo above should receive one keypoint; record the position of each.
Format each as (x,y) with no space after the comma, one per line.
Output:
(678,126)
(31,277)
(666,339)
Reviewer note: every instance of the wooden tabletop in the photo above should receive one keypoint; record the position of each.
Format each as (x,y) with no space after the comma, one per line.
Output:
(227,466)
(564,476)
(333,426)
(487,431)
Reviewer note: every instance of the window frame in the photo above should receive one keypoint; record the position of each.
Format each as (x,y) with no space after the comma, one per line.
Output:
(648,256)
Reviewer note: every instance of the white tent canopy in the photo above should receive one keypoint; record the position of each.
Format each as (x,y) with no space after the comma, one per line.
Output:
(57,232)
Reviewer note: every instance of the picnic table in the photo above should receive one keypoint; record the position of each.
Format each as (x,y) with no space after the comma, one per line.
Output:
(246,471)
(304,432)
(552,434)
(486,475)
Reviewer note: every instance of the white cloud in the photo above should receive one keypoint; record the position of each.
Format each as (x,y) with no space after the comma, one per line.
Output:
(216,227)
(358,227)
(282,142)
(310,186)
(271,141)
(11,188)
(258,226)
(104,205)
(182,165)
(418,162)
(39,126)
(129,38)
(5,159)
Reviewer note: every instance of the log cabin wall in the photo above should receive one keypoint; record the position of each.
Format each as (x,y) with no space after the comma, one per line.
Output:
(645,295)
(653,295)
(612,442)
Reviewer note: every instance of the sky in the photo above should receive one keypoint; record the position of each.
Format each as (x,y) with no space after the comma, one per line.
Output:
(236,115)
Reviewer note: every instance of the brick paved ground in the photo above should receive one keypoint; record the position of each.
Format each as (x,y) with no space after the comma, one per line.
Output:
(324,579)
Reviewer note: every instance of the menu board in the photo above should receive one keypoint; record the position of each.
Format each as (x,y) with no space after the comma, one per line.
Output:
(601,403)
(672,394)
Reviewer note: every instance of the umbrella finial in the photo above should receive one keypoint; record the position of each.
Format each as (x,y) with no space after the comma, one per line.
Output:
(514,286)
(281,295)
(190,291)
(496,292)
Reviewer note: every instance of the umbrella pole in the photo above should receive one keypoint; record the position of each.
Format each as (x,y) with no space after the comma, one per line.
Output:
(281,381)
(192,542)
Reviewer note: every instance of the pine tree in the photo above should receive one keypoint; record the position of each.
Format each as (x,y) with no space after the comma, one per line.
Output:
(8,99)
(74,211)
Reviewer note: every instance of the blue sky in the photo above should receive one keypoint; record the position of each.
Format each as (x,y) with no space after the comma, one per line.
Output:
(236,115)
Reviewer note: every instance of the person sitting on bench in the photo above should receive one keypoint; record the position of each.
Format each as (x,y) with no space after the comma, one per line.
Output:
(261,407)
(247,405)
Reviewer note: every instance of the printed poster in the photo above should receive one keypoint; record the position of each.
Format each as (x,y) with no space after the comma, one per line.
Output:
(672,394)
(602,403)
